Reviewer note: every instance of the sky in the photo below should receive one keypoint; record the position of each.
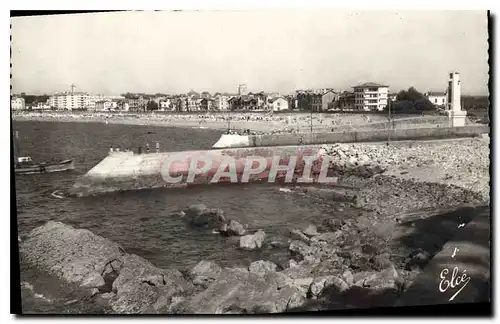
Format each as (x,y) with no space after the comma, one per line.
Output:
(273,50)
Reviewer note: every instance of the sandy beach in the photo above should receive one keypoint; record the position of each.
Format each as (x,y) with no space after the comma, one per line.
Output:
(238,122)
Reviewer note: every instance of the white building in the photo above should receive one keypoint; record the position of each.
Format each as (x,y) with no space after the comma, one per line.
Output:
(437,98)
(17,103)
(41,106)
(279,103)
(370,96)
(69,100)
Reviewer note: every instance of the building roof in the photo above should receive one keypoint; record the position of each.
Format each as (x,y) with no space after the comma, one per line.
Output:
(370,85)
(276,98)
(436,93)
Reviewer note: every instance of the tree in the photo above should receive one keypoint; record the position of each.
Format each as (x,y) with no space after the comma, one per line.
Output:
(151,105)
(411,100)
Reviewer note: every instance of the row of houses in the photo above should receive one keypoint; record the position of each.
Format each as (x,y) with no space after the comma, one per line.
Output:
(367,96)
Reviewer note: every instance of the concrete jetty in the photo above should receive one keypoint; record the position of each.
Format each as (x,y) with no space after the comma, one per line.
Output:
(129,171)
(376,135)
(121,171)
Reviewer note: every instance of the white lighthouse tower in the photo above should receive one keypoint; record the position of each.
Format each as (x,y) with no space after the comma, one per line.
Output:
(455,112)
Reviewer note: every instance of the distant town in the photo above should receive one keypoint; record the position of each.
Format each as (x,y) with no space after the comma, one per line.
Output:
(368,96)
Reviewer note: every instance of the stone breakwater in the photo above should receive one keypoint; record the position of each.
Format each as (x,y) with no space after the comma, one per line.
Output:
(463,163)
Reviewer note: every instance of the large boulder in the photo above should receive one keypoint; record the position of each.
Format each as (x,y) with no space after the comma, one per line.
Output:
(311,231)
(252,241)
(233,228)
(73,255)
(200,215)
(124,282)
(139,285)
(204,273)
(241,291)
(327,282)
(262,266)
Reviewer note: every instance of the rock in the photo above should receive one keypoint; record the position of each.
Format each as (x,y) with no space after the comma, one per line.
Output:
(292,263)
(296,301)
(301,249)
(233,228)
(348,277)
(140,284)
(418,259)
(329,237)
(278,244)
(252,241)
(302,282)
(262,266)
(311,230)
(386,279)
(333,223)
(243,292)
(201,216)
(129,283)
(382,261)
(93,280)
(298,235)
(320,283)
(73,255)
(204,273)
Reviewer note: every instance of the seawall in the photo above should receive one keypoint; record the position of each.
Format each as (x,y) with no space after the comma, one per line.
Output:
(121,171)
(377,135)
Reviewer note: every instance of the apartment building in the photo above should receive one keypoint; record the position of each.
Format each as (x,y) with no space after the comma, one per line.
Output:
(69,100)
(17,103)
(370,96)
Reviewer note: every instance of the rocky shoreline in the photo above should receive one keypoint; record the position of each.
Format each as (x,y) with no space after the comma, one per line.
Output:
(345,262)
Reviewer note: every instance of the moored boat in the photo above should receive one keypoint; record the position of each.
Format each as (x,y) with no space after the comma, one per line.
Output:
(26,166)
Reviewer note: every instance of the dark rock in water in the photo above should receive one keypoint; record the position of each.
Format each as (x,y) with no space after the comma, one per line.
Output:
(311,231)
(252,241)
(262,266)
(201,216)
(204,273)
(233,228)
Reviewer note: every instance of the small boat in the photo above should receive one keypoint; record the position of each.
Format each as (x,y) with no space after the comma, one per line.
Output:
(25,165)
